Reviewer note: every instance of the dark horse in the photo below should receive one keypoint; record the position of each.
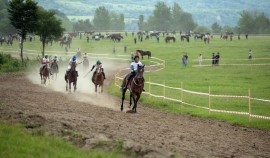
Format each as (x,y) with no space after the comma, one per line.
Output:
(44,74)
(167,39)
(54,69)
(135,87)
(98,79)
(71,77)
(143,53)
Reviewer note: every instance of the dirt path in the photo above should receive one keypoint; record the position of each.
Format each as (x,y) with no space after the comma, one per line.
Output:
(86,119)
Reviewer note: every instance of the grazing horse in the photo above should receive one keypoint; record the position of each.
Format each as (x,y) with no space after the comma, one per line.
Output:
(143,53)
(135,87)
(54,69)
(98,79)
(44,74)
(167,39)
(71,77)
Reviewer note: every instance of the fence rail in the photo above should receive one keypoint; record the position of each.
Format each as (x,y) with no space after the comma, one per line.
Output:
(120,75)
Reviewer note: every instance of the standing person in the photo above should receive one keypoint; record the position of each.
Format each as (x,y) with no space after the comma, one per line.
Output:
(114,49)
(200,59)
(213,59)
(134,67)
(132,56)
(186,56)
(87,38)
(157,39)
(135,40)
(250,54)
(184,61)
(125,48)
(217,58)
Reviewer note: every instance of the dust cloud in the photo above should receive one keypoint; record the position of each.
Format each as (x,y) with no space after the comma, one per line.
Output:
(85,88)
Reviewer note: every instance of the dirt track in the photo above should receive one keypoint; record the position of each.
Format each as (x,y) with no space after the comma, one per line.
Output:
(86,119)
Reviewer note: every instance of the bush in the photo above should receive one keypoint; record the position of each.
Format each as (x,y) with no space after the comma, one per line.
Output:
(9,64)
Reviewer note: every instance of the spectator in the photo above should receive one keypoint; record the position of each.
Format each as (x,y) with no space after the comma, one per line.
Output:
(125,48)
(217,58)
(114,49)
(200,59)
(135,40)
(213,59)
(184,61)
(250,54)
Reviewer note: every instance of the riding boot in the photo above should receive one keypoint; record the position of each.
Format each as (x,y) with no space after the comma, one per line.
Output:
(77,73)
(126,85)
(93,76)
(143,85)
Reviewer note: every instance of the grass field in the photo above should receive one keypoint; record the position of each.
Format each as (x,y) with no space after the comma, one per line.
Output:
(226,79)
(18,143)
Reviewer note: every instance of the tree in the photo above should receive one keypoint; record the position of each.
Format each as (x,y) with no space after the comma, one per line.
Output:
(101,19)
(83,25)
(203,29)
(161,17)
(48,27)
(141,23)
(117,21)
(216,28)
(23,16)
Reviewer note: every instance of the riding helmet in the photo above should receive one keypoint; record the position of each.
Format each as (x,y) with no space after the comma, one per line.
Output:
(74,58)
(136,56)
(99,62)
(46,55)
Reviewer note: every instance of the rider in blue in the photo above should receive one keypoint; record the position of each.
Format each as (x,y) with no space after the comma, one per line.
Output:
(133,66)
(73,59)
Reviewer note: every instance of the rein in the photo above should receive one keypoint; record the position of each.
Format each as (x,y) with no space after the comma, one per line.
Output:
(137,83)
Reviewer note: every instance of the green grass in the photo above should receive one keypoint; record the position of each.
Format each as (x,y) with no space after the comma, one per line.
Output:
(225,79)
(17,143)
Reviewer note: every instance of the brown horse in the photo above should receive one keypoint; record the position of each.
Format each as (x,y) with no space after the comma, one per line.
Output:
(98,79)
(44,74)
(54,69)
(71,77)
(135,87)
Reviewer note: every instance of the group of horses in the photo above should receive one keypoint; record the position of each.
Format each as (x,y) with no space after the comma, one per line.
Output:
(71,77)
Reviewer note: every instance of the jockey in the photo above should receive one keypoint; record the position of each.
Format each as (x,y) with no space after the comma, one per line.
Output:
(133,66)
(98,65)
(55,58)
(44,61)
(72,60)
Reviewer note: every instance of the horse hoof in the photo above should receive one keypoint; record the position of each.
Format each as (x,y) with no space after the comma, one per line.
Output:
(130,111)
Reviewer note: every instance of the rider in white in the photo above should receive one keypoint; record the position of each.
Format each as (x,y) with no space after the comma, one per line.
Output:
(55,58)
(133,66)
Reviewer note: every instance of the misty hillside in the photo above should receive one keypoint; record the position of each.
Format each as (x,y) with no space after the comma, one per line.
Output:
(205,12)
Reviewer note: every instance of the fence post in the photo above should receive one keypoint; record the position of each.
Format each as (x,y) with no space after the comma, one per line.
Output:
(181,94)
(164,90)
(149,87)
(249,104)
(209,101)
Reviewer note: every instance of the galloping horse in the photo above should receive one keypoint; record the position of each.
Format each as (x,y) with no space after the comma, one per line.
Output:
(44,74)
(71,77)
(135,87)
(98,79)
(54,69)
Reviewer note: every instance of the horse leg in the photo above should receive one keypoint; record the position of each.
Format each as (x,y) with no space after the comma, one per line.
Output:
(130,100)
(69,86)
(134,101)
(135,104)
(66,85)
(123,98)
(75,86)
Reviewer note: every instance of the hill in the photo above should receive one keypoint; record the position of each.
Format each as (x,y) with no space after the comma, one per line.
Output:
(205,12)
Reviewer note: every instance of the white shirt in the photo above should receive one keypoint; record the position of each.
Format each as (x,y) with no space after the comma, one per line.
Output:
(45,61)
(134,65)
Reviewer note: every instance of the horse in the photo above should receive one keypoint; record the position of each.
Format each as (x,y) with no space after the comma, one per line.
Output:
(71,77)
(44,74)
(54,69)
(143,53)
(98,79)
(135,87)
(199,36)
(167,39)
